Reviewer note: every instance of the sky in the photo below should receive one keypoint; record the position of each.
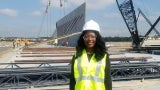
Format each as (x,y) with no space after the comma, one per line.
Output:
(27,18)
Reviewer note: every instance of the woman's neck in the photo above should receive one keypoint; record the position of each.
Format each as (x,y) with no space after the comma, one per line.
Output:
(89,50)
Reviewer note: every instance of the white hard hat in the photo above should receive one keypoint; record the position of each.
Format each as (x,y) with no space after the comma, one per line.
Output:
(91,25)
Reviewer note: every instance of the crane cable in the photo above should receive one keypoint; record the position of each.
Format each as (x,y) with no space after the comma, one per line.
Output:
(62,5)
(38,35)
(45,15)
(146,12)
(145,9)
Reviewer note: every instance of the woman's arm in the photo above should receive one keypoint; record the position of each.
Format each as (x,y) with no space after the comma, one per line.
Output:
(72,80)
(108,80)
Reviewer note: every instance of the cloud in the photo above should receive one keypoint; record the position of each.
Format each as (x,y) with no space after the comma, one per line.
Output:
(8,12)
(90,4)
(36,13)
(95,4)
(113,15)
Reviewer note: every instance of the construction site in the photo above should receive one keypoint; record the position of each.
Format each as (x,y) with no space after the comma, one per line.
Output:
(45,65)
(48,67)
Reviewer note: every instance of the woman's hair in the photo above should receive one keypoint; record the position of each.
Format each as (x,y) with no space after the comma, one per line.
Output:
(99,48)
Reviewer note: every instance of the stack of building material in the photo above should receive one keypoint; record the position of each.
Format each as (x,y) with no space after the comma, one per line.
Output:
(57,55)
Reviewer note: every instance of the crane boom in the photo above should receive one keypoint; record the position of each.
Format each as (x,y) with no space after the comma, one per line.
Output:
(127,11)
(147,43)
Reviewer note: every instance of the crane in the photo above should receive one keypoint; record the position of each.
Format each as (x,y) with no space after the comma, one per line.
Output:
(127,11)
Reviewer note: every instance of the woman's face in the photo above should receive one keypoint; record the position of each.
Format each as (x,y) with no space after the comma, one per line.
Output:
(89,39)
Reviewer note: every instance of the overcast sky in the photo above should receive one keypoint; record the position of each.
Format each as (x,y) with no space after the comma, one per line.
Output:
(27,18)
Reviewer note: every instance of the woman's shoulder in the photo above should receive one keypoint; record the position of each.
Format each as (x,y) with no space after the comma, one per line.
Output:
(106,53)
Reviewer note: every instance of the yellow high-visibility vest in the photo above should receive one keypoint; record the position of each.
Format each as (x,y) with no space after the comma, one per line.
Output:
(89,75)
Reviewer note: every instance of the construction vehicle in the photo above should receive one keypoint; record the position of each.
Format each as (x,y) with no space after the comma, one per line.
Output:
(145,42)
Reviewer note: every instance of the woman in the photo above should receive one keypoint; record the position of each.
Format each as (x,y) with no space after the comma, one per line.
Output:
(90,66)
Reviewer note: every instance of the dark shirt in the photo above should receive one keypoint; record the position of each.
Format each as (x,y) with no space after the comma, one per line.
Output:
(107,79)
(89,56)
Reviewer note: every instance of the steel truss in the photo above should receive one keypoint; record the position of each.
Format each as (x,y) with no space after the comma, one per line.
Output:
(25,75)
(135,70)
(15,75)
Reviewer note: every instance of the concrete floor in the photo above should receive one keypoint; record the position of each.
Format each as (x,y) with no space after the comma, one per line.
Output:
(147,84)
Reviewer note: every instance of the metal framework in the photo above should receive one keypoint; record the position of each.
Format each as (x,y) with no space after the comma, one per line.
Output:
(135,70)
(128,14)
(20,75)
(24,75)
